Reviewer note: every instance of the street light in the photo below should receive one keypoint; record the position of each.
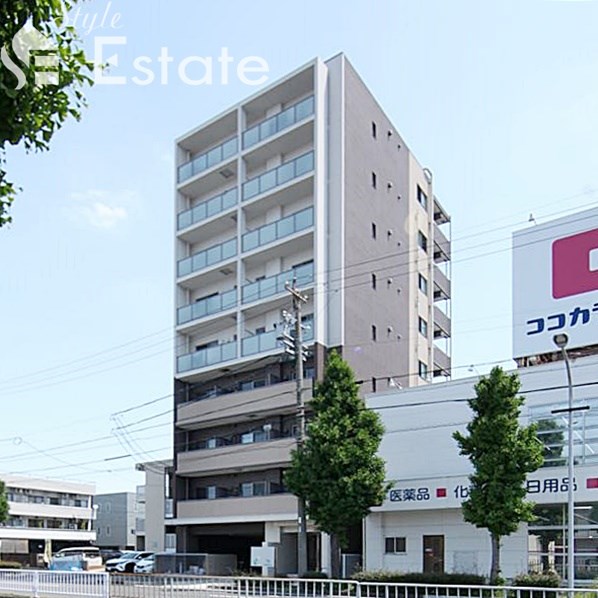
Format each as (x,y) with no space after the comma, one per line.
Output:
(561,340)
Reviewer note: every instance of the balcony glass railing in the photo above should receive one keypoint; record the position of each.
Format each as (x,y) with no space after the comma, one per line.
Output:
(268,341)
(278,176)
(207,209)
(208,159)
(207,307)
(206,357)
(279,229)
(273,285)
(207,257)
(278,122)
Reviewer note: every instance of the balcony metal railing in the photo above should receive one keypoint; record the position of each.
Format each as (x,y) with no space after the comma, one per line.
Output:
(207,307)
(278,176)
(273,285)
(207,257)
(206,357)
(268,341)
(279,229)
(207,209)
(218,154)
(283,120)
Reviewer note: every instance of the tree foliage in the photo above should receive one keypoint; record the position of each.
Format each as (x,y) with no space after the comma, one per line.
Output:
(338,471)
(32,113)
(3,503)
(502,453)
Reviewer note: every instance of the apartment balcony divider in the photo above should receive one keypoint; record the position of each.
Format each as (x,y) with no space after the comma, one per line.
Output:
(204,161)
(283,120)
(278,176)
(277,230)
(207,209)
(207,307)
(206,357)
(207,257)
(273,285)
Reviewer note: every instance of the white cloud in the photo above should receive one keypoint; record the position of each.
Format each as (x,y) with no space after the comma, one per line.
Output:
(100,208)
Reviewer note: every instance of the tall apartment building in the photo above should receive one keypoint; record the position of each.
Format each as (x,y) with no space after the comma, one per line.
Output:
(42,511)
(307,180)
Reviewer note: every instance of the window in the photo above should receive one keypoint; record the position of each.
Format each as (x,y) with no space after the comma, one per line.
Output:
(169,542)
(373,230)
(373,384)
(211,492)
(107,507)
(108,530)
(373,129)
(395,545)
(422,198)
(423,370)
(374,180)
(374,333)
(260,330)
(422,283)
(422,240)
(423,327)
(374,282)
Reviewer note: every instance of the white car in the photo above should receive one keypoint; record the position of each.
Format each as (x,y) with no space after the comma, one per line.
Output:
(145,565)
(126,562)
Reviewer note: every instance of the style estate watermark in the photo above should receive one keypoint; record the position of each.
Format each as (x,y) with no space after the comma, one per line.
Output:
(30,48)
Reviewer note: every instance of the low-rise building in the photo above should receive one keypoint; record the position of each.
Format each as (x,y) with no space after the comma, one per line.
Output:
(115,520)
(44,513)
(420,526)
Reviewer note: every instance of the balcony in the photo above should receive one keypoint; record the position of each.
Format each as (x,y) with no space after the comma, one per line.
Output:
(442,285)
(274,231)
(207,307)
(270,454)
(208,257)
(442,324)
(283,120)
(207,209)
(254,508)
(232,407)
(268,341)
(278,176)
(442,246)
(440,214)
(207,160)
(274,285)
(442,363)
(207,357)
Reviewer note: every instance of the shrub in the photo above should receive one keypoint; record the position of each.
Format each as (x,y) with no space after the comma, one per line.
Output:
(464,579)
(547,579)
(315,575)
(10,565)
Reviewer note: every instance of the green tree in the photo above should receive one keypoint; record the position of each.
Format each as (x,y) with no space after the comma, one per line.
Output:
(502,453)
(32,111)
(3,503)
(338,472)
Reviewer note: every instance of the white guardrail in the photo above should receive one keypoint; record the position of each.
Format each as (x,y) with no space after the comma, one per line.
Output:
(52,584)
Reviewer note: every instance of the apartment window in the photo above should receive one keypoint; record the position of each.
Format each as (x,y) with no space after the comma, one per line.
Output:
(374,130)
(423,327)
(374,282)
(422,283)
(422,198)
(423,370)
(260,330)
(395,545)
(170,542)
(107,507)
(374,180)
(373,230)
(211,492)
(422,240)
(373,384)
(108,530)
(374,333)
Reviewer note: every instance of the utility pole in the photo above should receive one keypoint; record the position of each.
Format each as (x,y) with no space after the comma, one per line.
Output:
(298,351)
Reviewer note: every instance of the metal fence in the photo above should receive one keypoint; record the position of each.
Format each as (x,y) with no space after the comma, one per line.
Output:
(51,584)
(46,584)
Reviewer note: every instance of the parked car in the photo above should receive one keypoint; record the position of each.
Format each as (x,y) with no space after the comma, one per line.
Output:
(109,554)
(126,562)
(145,565)
(77,558)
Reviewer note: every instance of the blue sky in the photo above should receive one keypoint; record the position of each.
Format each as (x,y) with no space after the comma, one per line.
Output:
(499,99)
